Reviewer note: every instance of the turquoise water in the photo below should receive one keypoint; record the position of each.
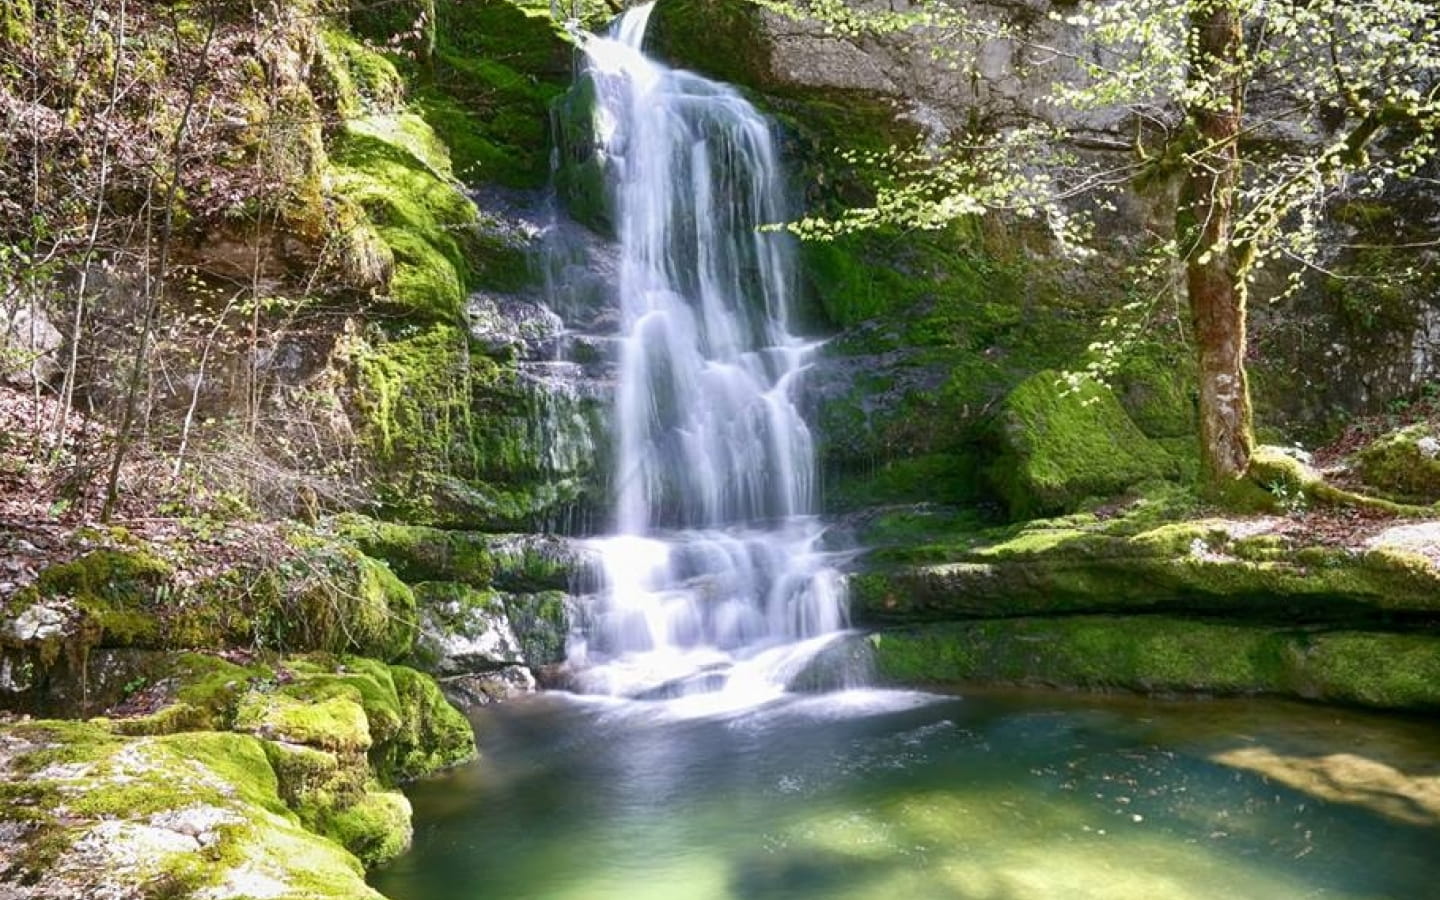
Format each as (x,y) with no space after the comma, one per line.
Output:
(997,796)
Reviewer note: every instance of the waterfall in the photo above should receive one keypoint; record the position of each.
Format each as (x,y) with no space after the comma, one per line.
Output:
(712,577)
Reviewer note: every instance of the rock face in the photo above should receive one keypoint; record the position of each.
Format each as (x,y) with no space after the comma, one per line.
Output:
(914,371)
(1157,654)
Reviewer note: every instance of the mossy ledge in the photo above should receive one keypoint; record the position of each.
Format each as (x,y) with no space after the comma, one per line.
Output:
(1156,654)
(289,792)
(932,566)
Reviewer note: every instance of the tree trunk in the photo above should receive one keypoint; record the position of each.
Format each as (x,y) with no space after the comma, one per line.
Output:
(1214,272)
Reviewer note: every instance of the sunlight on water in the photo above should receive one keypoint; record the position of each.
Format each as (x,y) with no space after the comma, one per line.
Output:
(873,795)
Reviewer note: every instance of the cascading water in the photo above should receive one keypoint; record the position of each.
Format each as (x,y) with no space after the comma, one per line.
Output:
(713,582)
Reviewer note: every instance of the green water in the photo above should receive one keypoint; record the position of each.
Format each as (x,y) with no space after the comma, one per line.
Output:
(888,795)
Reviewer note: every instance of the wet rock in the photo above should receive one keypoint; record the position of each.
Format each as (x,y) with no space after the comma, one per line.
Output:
(484,688)
(464,630)
(541,623)
(514,327)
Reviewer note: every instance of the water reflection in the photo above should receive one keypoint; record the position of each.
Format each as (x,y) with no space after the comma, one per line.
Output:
(882,794)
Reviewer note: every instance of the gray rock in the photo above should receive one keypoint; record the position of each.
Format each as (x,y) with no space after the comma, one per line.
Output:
(465,631)
(40,622)
(29,346)
(483,689)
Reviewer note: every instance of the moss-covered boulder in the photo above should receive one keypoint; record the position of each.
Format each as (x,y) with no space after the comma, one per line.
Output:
(1065,440)
(339,734)
(1404,464)
(353,705)
(1159,654)
(315,593)
(86,813)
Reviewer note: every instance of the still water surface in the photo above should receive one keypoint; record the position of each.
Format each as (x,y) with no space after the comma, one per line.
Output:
(876,794)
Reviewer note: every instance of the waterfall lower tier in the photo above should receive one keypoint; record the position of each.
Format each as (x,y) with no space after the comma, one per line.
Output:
(712,580)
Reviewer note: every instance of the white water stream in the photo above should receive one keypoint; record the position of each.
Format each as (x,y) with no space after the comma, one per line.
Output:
(713,583)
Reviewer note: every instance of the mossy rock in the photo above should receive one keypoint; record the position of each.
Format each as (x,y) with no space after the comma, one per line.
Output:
(435,735)
(447,430)
(118,591)
(409,24)
(336,724)
(1155,385)
(1065,440)
(350,704)
(186,815)
(357,605)
(482,74)
(334,795)
(376,828)
(944,478)
(353,78)
(721,39)
(419,553)
(542,624)
(1404,464)
(396,170)
(1158,654)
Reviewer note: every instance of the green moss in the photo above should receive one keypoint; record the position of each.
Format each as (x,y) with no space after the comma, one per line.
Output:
(269,837)
(63,743)
(1154,383)
(492,117)
(1063,443)
(349,603)
(932,565)
(376,828)
(1397,466)
(348,705)
(409,24)
(580,178)
(419,404)
(358,80)
(435,735)
(126,783)
(392,168)
(118,590)
(311,780)
(419,553)
(1381,670)
(482,74)
(1162,654)
(723,40)
(1276,480)
(542,624)
(950,478)
(17,21)
(337,723)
